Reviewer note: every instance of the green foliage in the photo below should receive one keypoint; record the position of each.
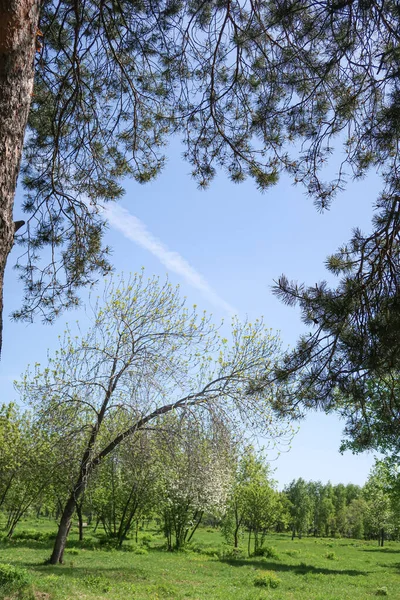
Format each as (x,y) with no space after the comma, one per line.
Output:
(32,534)
(194,476)
(253,501)
(96,582)
(232,553)
(112,86)
(15,581)
(149,364)
(267,552)
(140,551)
(293,553)
(24,463)
(350,362)
(300,506)
(267,579)
(382,591)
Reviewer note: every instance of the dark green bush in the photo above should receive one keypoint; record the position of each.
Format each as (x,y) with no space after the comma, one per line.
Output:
(32,534)
(232,553)
(267,552)
(267,579)
(15,582)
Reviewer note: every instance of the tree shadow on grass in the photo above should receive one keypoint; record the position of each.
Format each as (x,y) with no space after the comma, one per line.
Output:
(382,550)
(30,544)
(297,569)
(81,573)
(390,566)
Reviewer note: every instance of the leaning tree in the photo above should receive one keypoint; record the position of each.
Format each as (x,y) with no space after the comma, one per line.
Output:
(144,357)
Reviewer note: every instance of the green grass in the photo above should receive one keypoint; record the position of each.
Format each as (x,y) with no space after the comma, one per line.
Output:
(304,570)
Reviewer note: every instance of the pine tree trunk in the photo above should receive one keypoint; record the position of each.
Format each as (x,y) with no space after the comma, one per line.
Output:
(18,27)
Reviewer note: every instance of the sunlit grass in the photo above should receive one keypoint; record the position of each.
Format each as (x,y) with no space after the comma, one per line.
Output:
(307,569)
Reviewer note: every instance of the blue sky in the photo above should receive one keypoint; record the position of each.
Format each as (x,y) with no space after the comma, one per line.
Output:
(224,246)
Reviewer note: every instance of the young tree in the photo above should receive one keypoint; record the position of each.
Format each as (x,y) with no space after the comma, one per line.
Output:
(380,516)
(25,473)
(240,82)
(356,514)
(124,488)
(195,475)
(10,437)
(145,356)
(262,507)
(253,501)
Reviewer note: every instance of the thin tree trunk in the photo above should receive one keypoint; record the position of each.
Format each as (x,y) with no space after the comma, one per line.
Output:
(238,522)
(80,520)
(98,519)
(196,526)
(18,27)
(3,497)
(382,537)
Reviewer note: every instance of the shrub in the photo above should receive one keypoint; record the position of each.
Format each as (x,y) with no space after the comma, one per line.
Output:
(292,553)
(142,551)
(14,581)
(32,534)
(331,556)
(267,552)
(146,539)
(382,591)
(232,553)
(73,551)
(210,551)
(267,579)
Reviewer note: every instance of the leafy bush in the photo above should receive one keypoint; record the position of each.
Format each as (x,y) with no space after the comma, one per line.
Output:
(232,553)
(382,591)
(210,551)
(32,534)
(267,552)
(202,549)
(14,581)
(139,550)
(292,553)
(146,539)
(73,551)
(267,579)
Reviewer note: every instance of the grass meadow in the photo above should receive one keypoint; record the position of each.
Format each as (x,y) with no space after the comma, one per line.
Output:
(306,569)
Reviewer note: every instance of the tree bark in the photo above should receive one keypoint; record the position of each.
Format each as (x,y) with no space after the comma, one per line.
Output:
(80,520)
(63,531)
(381,537)
(18,27)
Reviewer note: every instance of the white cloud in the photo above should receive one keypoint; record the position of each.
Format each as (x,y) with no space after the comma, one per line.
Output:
(136,231)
